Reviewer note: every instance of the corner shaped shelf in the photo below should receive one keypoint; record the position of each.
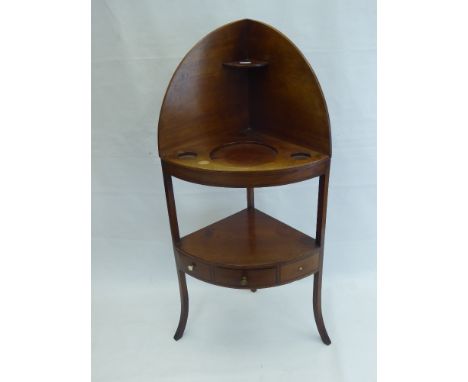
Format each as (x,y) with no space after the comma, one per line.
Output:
(247,63)
(250,241)
(247,159)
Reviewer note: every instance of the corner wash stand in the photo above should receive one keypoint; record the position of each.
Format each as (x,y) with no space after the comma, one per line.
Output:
(244,109)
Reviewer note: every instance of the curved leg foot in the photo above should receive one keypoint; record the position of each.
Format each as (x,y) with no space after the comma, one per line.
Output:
(317,302)
(184,305)
(253,290)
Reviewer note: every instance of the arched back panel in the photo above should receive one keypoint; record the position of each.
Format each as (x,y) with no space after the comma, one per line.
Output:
(280,96)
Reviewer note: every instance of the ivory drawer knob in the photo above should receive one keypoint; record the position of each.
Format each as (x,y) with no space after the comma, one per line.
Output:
(190,267)
(243,281)
(301,268)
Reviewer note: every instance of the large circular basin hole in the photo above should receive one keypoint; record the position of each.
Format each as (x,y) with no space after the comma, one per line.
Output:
(186,155)
(244,153)
(300,155)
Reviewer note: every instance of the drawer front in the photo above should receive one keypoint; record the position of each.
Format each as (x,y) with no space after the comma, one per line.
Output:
(240,278)
(299,268)
(194,267)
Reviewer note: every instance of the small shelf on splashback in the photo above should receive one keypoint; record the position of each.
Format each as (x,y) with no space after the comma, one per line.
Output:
(246,63)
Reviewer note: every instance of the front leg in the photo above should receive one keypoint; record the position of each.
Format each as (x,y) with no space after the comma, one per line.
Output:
(184,305)
(317,302)
(320,240)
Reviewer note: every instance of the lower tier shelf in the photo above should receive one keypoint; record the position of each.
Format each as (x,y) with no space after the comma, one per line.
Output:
(249,249)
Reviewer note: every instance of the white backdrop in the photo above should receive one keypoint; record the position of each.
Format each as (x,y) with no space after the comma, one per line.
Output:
(231,335)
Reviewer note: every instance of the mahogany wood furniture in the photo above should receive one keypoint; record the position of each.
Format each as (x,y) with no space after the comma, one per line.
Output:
(244,109)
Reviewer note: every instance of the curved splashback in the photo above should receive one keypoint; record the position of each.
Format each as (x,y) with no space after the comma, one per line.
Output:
(244,75)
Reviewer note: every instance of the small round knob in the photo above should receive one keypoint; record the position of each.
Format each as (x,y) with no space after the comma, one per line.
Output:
(301,268)
(243,281)
(190,267)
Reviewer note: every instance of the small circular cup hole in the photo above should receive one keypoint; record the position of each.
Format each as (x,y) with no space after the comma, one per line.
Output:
(300,156)
(186,155)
